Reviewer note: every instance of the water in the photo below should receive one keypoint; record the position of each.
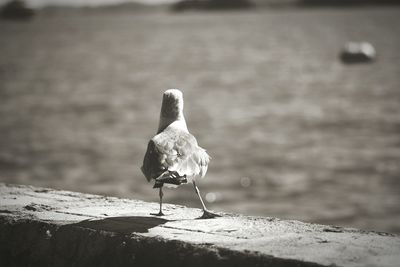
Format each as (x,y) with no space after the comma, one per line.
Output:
(86,3)
(293,133)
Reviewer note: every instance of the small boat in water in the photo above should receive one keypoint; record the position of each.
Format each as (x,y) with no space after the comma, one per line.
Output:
(358,52)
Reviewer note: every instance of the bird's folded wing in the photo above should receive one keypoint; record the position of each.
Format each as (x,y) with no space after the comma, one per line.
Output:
(202,159)
(151,167)
(174,152)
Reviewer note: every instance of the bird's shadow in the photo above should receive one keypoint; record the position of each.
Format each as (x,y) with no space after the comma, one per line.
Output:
(123,225)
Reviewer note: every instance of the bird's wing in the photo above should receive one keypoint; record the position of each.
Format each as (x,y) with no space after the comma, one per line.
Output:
(152,167)
(201,158)
(174,151)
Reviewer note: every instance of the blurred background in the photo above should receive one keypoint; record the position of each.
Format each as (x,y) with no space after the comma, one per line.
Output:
(293,131)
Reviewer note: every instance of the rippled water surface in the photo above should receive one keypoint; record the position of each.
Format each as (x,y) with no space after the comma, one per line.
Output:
(292,132)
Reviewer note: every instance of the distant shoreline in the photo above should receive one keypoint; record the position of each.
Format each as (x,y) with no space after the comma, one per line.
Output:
(164,5)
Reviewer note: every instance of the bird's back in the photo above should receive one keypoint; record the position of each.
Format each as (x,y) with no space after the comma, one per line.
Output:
(174,150)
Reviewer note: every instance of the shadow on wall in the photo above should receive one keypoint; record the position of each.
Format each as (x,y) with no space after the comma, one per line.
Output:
(122,225)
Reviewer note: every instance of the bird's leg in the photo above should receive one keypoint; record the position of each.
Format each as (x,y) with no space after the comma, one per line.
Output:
(161,194)
(206,213)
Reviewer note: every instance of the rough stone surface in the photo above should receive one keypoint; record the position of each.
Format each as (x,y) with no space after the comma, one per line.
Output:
(46,227)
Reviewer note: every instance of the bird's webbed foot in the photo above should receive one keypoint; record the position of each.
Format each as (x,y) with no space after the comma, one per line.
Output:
(160,213)
(174,174)
(177,179)
(209,215)
(171,177)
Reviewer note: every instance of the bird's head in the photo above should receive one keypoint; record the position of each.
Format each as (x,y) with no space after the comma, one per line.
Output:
(172,104)
(172,109)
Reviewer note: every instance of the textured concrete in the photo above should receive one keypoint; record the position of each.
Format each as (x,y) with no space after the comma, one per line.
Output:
(46,227)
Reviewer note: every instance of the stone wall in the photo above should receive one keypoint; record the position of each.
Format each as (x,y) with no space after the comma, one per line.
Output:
(46,227)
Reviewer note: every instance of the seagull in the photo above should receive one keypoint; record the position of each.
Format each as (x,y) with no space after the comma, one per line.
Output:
(173,156)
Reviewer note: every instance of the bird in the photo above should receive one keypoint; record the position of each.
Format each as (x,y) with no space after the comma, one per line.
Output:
(173,156)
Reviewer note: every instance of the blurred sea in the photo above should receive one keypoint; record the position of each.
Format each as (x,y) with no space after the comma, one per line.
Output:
(293,133)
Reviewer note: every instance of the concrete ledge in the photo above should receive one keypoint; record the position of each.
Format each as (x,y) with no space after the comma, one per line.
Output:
(46,227)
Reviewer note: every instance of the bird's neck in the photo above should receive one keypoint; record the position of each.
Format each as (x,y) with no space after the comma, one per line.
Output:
(178,122)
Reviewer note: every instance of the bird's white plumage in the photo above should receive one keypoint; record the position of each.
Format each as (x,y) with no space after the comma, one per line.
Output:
(174,149)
